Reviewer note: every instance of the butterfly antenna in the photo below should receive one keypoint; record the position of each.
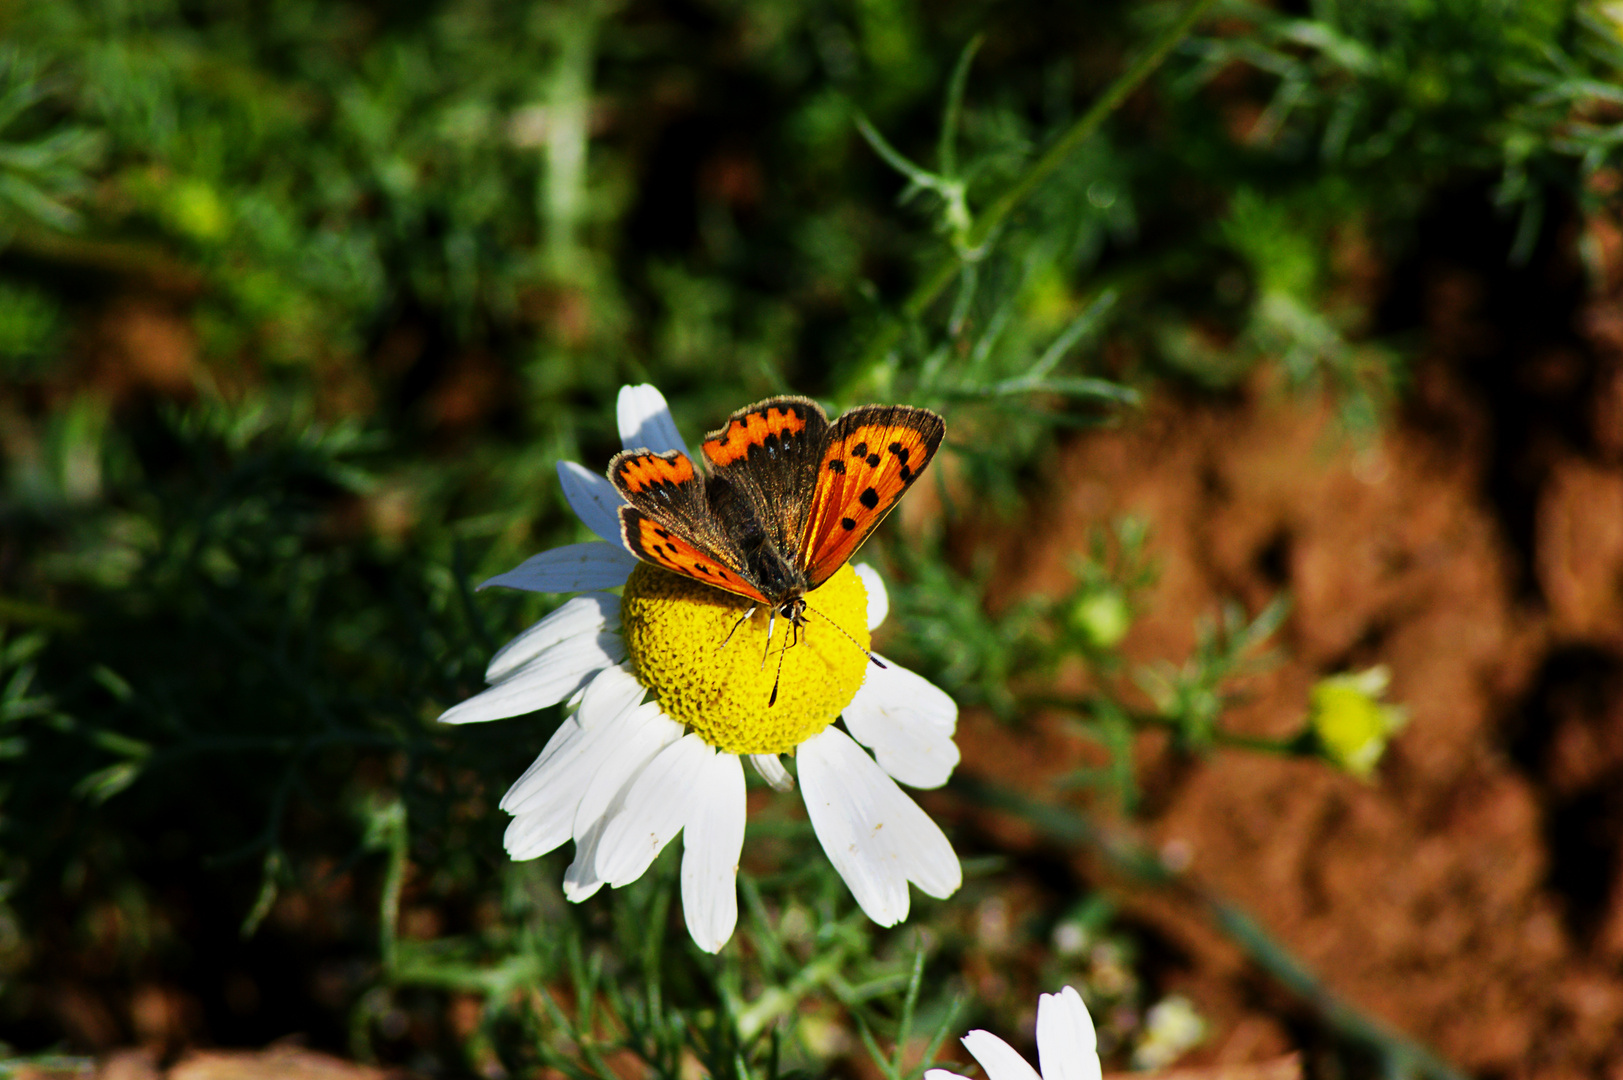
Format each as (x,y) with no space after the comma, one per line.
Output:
(742,620)
(877,662)
(773,700)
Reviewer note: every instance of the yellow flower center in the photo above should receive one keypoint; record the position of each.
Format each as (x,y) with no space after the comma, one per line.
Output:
(676,632)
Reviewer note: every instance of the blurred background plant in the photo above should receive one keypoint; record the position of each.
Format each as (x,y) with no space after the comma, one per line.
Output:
(300,303)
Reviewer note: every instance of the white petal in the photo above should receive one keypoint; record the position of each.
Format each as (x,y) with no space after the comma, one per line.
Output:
(613,693)
(577,778)
(876,837)
(530,836)
(770,766)
(656,808)
(536,833)
(998,1059)
(645,421)
(647,732)
(878,595)
(908,721)
(925,853)
(711,843)
(565,747)
(548,678)
(593,499)
(636,740)
(580,880)
(1067,1047)
(843,814)
(942,1074)
(562,774)
(569,569)
(581,615)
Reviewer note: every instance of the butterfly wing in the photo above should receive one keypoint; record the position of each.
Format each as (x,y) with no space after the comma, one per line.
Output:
(874,454)
(666,548)
(766,456)
(668,522)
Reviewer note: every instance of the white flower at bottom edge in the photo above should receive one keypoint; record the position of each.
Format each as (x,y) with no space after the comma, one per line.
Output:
(621,777)
(1067,1047)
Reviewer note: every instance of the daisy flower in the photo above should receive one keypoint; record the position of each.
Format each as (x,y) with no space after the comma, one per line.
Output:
(1067,1047)
(668,693)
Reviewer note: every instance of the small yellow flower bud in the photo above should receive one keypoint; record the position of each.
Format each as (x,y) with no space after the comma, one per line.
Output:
(1101,618)
(1350,724)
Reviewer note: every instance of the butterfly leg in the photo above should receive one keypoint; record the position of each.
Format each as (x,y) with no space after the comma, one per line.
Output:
(742,620)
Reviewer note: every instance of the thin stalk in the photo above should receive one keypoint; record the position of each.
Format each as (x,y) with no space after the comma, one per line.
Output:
(989,220)
(1293,747)
(904,1029)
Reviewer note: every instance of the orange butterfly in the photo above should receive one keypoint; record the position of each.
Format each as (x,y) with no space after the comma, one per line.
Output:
(787,501)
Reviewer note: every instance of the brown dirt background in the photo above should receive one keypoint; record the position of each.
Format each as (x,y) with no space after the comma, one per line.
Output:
(1471,895)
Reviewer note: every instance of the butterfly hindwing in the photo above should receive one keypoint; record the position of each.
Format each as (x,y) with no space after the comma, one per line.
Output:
(668,522)
(767,456)
(874,454)
(666,548)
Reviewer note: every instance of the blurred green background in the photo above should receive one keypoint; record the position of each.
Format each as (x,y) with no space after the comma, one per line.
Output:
(301,303)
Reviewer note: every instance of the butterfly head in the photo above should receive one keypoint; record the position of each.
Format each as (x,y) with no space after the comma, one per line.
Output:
(793,609)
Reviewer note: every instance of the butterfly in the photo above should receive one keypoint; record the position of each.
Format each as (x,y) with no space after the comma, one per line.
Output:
(786,499)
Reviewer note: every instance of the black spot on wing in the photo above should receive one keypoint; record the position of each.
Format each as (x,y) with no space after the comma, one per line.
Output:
(907,475)
(900,451)
(869,498)
(837,466)
(859,450)
(873,461)
(847,524)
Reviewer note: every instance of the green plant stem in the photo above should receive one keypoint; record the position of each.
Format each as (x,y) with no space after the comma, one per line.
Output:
(395,840)
(1293,747)
(1128,857)
(989,220)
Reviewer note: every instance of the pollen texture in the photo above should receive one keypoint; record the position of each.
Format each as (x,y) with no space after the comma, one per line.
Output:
(674,630)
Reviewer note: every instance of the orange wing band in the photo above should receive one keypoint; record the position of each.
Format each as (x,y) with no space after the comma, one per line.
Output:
(636,474)
(733,442)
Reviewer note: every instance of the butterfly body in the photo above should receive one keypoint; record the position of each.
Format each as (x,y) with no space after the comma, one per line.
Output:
(787,499)
(762,562)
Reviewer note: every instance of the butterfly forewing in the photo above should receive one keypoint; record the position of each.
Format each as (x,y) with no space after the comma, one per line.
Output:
(874,454)
(667,477)
(668,522)
(768,455)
